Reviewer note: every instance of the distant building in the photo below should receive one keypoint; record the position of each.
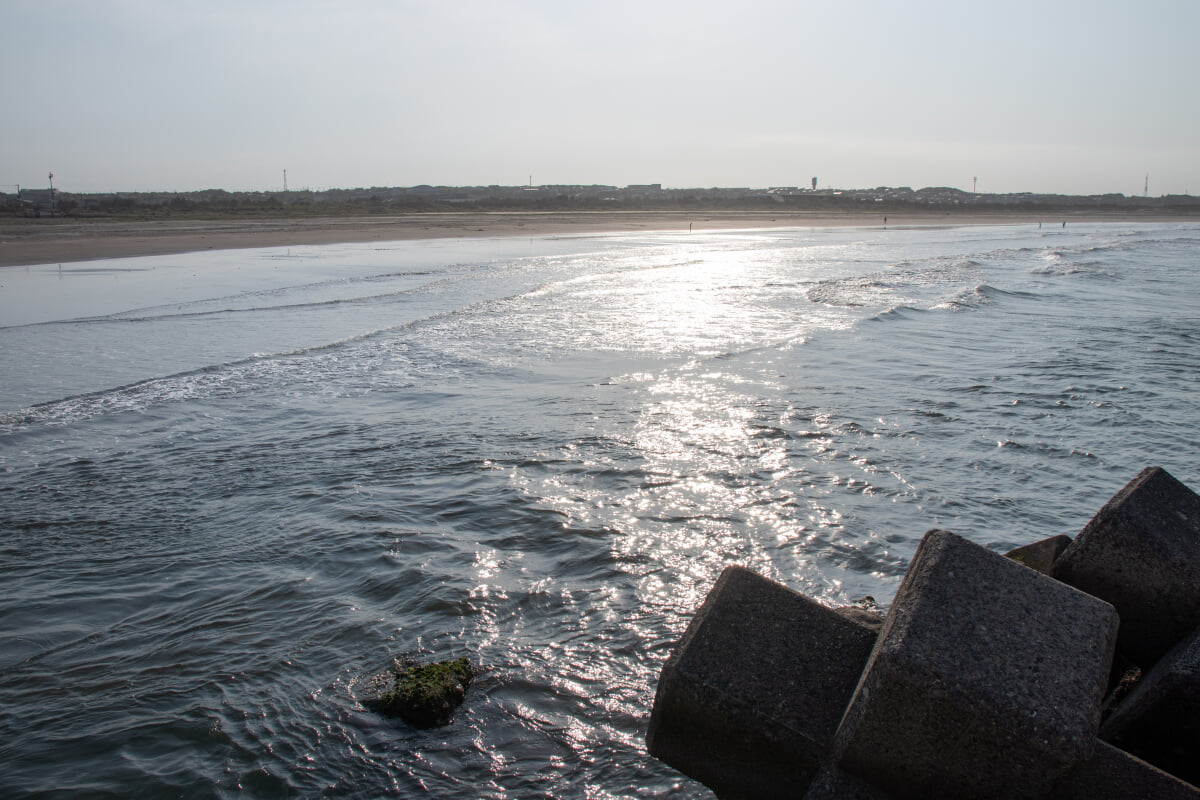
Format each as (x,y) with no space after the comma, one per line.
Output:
(36,197)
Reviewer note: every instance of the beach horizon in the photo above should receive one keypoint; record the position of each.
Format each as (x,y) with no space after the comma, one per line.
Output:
(29,242)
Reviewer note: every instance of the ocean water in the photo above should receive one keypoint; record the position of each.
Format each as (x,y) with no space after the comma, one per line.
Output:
(234,484)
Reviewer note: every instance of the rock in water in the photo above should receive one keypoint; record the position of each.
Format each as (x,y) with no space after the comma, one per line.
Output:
(426,696)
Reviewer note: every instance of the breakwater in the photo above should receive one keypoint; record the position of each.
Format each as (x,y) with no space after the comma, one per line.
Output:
(989,677)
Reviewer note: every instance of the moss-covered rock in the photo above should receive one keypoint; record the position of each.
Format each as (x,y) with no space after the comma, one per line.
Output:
(426,696)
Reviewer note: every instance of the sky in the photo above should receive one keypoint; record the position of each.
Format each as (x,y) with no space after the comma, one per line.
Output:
(1047,96)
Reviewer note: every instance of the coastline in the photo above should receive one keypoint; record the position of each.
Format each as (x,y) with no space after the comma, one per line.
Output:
(26,242)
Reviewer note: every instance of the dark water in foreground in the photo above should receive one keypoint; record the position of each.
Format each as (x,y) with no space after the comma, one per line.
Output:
(233,485)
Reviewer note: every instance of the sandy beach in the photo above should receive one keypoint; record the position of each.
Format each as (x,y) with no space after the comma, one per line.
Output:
(63,240)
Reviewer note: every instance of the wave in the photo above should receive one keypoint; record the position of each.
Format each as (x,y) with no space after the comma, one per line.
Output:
(1091,249)
(333,303)
(897,312)
(982,295)
(623,267)
(1062,269)
(974,297)
(784,343)
(228,304)
(223,380)
(242,376)
(1122,242)
(966,299)
(246,375)
(901,282)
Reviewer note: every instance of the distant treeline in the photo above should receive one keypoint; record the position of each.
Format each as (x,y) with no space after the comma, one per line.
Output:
(651,197)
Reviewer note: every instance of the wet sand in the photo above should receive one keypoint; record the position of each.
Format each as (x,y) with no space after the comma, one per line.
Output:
(50,241)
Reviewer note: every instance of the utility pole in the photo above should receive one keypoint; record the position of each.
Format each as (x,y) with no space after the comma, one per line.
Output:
(974,184)
(1146,188)
(52,194)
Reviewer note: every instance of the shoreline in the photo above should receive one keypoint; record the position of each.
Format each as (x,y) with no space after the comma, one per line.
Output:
(63,240)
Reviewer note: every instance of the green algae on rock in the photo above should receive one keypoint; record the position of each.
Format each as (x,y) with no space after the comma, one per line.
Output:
(426,696)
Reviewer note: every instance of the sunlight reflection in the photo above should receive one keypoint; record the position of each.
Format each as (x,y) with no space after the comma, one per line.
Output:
(727,494)
(682,469)
(700,306)
(697,301)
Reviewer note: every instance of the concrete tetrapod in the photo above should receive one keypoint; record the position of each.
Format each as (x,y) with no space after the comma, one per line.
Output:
(1141,553)
(1041,555)
(1113,774)
(1160,719)
(985,681)
(749,701)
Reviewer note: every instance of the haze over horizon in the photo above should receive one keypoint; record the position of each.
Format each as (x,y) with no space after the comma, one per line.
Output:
(1066,97)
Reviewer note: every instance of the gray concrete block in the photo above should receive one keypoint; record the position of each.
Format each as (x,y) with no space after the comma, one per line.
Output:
(1159,721)
(985,681)
(1040,555)
(1112,774)
(1141,553)
(749,701)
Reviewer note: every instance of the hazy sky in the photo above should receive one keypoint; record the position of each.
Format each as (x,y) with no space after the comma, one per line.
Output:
(1043,96)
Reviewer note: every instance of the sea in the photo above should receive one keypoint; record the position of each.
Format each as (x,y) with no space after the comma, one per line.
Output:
(234,485)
